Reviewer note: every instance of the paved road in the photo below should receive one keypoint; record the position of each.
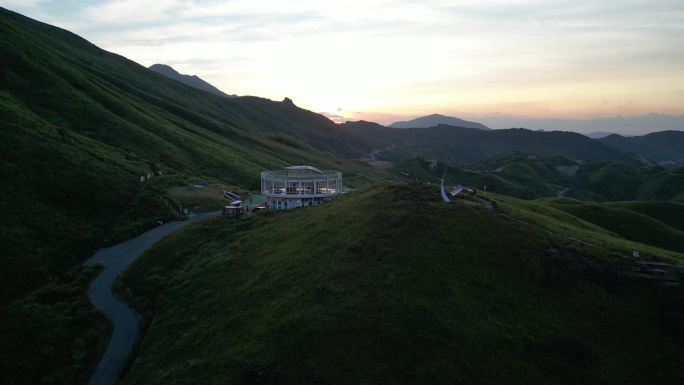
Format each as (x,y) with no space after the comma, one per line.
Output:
(126,322)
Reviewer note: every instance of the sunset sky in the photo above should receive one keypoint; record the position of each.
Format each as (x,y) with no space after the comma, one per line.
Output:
(389,60)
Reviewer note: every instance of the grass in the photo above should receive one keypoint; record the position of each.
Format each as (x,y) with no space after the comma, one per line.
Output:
(631,224)
(53,333)
(389,285)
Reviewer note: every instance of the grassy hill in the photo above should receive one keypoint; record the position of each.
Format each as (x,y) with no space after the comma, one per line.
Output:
(515,176)
(653,223)
(530,177)
(612,180)
(389,285)
(665,147)
(618,181)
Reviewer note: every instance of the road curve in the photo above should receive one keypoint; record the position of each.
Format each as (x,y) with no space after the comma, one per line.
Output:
(126,322)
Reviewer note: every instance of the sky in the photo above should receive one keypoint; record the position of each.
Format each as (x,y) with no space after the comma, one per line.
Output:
(387,60)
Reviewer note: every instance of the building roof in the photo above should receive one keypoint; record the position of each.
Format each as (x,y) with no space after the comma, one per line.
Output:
(304,168)
(302,172)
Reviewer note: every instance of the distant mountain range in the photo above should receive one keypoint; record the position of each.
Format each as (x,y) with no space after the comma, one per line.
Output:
(461,144)
(191,80)
(464,145)
(435,120)
(625,125)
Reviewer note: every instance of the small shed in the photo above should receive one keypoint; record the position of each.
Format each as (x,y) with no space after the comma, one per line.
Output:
(233,211)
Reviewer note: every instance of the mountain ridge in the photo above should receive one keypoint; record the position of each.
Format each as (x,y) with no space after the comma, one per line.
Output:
(665,148)
(435,120)
(463,145)
(191,80)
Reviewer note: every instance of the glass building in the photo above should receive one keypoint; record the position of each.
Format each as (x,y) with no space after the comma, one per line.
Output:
(299,186)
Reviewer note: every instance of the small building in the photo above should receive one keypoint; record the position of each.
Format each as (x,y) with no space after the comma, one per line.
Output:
(299,186)
(233,210)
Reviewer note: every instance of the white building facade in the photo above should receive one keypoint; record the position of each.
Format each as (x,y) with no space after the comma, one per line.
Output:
(299,186)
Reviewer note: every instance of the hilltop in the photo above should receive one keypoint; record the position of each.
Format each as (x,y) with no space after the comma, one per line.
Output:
(389,285)
(191,80)
(598,134)
(436,120)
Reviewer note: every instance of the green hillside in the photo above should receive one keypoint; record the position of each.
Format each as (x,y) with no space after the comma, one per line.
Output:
(670,213)
(664,185)
(389,285)
(629,223)
(618,181)
(514,175)
(79,126)
(531,176)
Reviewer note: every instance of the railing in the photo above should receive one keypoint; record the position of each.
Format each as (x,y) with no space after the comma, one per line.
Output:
(176,208)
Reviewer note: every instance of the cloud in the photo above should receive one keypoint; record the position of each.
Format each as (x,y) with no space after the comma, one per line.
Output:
(551,57)
(20,3)
(334,117)
(132,11)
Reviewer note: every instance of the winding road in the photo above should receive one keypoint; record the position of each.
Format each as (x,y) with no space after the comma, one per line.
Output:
(126,322)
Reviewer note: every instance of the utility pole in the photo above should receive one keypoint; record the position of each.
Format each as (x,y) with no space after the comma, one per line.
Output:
(484,190)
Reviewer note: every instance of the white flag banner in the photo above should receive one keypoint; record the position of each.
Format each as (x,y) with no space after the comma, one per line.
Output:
(445,198)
